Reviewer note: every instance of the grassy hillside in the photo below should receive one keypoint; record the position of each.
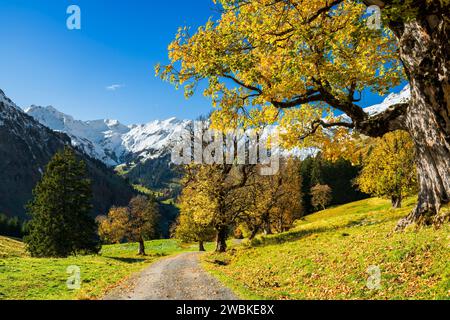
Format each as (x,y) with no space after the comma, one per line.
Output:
(22,277)
(327,256)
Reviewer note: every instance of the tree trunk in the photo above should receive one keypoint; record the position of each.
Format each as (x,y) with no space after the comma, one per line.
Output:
(267,229)
(141,251)
(424,45)
(221,240)
(266,222)
(396,202)
(201,246)
(425,53)
(280,225)
(254,233)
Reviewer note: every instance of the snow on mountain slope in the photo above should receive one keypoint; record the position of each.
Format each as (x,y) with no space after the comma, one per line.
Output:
(153,139)
(8,104)
(109,140)
(393,98)
(101,139)
(115,143)
(8,110)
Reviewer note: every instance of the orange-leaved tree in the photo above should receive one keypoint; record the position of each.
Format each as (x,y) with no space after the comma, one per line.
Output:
(137,222)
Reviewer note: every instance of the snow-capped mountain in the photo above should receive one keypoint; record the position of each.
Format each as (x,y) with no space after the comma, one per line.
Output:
(153,139)
(8,105)
(116,144)
(8,102)
(26,146)
(109,140)
(393,98)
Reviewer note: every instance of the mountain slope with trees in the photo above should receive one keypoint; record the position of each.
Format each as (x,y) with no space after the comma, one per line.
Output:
(339,176)
(26,147)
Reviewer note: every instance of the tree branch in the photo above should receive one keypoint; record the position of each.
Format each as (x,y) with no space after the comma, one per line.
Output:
(315,125)
(390,120)
(310,96)
(322,10)
(355,112)
(250,87)
(378,3)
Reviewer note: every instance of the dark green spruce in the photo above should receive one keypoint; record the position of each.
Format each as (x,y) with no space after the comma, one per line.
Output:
(60,223)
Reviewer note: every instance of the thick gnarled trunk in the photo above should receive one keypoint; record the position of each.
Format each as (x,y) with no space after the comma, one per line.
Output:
(433,159)
(254,233)
(425,53)
(267,228)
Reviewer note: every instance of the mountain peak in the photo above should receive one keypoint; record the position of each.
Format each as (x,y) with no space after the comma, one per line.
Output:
(50,117)
(7,101)
(49,110)
(109,140)
(403,95)
(112,123)
(172,120)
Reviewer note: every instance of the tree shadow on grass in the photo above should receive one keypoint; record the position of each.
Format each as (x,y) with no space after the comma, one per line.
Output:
(293,236)
(128,260)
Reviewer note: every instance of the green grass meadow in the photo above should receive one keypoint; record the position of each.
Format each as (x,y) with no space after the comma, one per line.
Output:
(329,255)
(335,254)
(26,278)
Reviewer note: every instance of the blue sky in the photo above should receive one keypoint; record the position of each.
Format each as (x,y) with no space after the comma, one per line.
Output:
(44,63)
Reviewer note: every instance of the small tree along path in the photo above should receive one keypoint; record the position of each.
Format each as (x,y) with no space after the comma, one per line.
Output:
(175,278)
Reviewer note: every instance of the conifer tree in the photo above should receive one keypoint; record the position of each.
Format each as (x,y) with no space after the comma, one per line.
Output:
(60,223)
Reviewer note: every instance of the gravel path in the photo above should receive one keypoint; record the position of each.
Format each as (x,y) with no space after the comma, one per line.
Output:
(175,278)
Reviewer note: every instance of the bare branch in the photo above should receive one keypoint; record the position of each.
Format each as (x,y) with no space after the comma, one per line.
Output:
(379,3)
(390,120)
(315,125)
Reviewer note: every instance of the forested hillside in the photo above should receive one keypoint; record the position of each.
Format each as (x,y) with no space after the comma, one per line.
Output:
(26,147)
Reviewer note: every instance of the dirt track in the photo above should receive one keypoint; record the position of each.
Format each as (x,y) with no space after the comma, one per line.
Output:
(175,278)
